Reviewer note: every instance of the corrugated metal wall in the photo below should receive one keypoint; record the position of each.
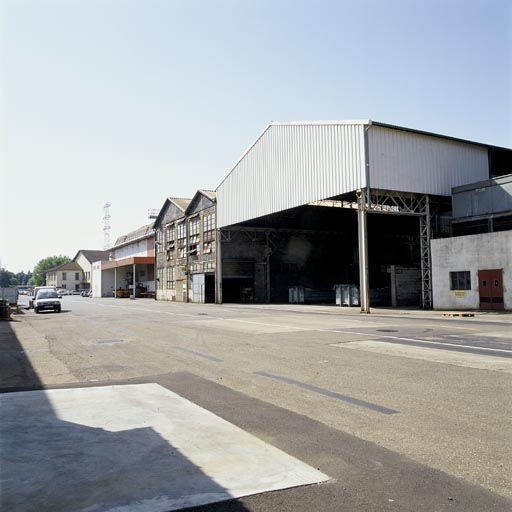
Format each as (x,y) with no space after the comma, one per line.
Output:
(483,198)
(412,162)
(291,165)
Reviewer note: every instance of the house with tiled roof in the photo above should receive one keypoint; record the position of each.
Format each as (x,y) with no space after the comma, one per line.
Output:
(68,276)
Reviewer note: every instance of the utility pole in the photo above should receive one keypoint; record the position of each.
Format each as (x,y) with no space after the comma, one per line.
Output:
(106,226)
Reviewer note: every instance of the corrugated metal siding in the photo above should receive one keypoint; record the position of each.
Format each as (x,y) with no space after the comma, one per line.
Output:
(484,198)
(411,162)
(291,165)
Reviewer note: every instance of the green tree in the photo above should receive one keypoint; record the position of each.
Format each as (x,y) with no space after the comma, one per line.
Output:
(22,278)
(7,278)
(38,275)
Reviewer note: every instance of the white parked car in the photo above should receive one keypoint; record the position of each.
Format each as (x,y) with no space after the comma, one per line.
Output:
(47,300)
(32,298)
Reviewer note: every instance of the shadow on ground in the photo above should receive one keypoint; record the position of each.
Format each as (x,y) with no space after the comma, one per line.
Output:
(56,466)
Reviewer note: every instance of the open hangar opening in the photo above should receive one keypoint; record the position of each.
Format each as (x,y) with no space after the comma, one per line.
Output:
(316,204)
(301,254)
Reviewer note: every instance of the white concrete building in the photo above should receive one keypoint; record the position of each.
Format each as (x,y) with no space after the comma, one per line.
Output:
(473,272)
(85,258)
(130,270)
(473,269)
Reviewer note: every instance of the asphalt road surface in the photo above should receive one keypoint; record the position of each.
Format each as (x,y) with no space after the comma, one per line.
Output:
(403,410)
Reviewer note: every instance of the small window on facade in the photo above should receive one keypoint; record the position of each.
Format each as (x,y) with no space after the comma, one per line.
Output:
(460,280)
(64,276)
(77,276)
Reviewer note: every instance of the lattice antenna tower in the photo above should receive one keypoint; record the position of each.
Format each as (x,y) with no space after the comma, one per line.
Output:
(106,226)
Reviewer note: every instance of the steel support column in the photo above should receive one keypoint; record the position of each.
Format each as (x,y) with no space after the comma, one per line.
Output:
(133,280)
(426,261)
(218,267)
(364,282)
(268,252)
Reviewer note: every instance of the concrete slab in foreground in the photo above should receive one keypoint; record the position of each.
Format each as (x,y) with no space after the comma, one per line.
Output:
(135,448)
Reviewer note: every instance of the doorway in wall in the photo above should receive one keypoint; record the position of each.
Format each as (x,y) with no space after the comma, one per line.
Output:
(490,288)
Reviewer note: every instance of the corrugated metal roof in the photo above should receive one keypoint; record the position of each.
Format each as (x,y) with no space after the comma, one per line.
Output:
(138,234)
(292,164)
(298,162)
(370,122)
(408,161)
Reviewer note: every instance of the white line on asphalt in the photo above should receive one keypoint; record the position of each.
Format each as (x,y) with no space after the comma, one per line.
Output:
(461,328)
(415,340)
(485,349)
(271,325)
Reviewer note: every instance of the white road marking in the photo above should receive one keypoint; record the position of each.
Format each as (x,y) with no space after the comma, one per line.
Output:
(416,340)
(281,326)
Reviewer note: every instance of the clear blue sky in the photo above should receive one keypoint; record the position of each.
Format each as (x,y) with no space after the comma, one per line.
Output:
(132,101)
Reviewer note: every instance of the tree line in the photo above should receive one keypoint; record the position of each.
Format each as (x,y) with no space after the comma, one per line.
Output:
(35,278)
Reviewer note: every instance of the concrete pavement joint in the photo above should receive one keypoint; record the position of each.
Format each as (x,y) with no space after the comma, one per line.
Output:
(199,354)
(330,394)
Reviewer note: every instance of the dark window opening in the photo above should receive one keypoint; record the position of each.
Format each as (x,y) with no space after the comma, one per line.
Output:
(460,280)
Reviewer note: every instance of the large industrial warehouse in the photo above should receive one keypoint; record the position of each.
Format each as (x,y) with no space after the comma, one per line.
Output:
(314,206)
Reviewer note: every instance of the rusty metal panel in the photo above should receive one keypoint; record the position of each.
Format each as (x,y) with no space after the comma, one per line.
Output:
(292,164)
(408,161)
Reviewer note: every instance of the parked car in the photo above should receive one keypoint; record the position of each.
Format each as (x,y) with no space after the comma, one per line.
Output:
(62,292)
(86,293)
(47,300)
(74,292)
(32,298)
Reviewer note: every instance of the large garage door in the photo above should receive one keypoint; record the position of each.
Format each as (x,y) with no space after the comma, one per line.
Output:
(198,288)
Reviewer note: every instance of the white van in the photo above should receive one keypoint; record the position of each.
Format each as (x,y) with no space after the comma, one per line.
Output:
(47,299)
(34,293)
